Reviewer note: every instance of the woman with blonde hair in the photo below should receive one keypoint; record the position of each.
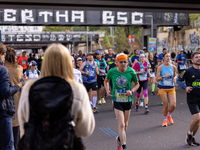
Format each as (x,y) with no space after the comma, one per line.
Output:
(49,96)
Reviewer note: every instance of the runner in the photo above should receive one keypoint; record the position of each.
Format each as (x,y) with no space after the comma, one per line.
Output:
(32,72)
(146,52)
(192,87)
(109,57)
(122,77)
(79,61)
(136,57)
(81,55)
(181,60)
(160,57)
(166,76)
(103,68)
(153,63)
(142,70)
(89,70)
(23,61)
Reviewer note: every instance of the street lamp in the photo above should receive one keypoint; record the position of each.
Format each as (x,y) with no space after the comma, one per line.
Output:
(151,16)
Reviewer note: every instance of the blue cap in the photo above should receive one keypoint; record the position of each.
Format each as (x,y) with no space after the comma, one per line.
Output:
(97,52)
(141,52)
(33,63)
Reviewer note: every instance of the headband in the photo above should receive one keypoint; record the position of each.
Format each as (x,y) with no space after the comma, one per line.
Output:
(122,56)
(142,55)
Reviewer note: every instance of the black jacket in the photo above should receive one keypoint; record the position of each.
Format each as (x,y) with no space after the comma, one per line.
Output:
(7,102)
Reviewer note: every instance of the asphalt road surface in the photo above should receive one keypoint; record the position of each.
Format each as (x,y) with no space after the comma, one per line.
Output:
(144,131)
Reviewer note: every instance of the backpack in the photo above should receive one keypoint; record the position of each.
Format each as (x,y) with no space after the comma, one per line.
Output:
(49,126)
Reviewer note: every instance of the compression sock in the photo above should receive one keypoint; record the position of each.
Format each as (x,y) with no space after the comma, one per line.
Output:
(136,103)
(94,99)
(123,146)
(153,87)
(141,100)
(146,105)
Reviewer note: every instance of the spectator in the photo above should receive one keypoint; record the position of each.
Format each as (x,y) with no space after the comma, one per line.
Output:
(15,72)
(7,104)
(57,62)
(23,61)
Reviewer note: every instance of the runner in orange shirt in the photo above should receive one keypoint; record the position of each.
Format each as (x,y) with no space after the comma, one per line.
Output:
(23,61)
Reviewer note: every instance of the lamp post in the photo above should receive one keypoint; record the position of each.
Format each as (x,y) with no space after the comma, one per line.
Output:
(151,16)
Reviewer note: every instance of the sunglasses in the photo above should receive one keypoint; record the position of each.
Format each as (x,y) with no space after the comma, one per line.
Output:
(122,62)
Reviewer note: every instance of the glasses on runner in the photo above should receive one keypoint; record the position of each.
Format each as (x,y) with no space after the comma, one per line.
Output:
(122,62)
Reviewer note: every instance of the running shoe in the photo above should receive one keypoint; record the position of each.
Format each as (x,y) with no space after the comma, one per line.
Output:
(188,139)
(136,108)
(94,110)
(99,102)
(194,142)
(141,104)
(170,119)
(119,145)
(152,93)
(164,124)
(146,111)
(125,149)
(103,100)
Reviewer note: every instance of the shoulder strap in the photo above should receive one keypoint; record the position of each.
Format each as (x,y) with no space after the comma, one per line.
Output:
(38,72)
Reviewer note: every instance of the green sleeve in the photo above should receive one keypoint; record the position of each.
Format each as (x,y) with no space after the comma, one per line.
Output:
(134,76)
(109,74)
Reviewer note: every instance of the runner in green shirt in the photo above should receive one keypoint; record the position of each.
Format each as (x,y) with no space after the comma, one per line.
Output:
(122,78)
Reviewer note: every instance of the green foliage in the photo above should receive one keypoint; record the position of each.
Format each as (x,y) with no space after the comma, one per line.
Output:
(194,18)
(106,41)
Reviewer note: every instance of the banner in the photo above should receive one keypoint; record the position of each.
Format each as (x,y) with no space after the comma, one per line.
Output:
(152,45)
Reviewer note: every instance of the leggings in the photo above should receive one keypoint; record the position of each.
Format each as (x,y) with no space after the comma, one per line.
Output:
(144,85)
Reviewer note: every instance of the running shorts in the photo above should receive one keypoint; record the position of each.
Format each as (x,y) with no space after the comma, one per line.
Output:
(153,74)
(123,106)
(100,81)
(194,106)
(179,70)
(166,91)
(89,86)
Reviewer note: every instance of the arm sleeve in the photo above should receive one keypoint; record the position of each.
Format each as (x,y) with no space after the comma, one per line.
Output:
(181,78)
(135,67)
(6,90)
(85,120)
(109,74)
(135,78)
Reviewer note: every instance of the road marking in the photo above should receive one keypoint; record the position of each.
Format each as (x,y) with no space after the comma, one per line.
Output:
(105,132)
(108,131)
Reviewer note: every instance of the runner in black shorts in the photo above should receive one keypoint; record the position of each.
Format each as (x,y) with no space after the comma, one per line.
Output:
(122,78)
(192,87)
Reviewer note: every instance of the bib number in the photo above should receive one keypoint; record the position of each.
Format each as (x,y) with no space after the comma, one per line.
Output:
(143,77)
(120,96)
(153,74)
(168,81)
(182,67)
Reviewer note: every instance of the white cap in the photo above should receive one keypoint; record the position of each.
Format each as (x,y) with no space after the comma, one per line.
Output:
(142,55)
(144,48)
(181,50)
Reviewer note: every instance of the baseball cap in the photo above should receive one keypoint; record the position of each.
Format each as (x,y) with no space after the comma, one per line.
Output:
(97,52)
(142,55)
(79,58)
(33,63)
(144,48)
(181,50)
(90,54)
(141,52)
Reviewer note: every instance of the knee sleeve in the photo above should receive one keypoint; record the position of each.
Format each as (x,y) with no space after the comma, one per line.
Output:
(138,94)
(145,93)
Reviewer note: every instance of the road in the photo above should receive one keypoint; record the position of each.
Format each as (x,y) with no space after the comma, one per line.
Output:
(144,131)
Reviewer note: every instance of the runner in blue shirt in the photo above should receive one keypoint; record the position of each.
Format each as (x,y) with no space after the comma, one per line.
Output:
(160,57)
(181,60)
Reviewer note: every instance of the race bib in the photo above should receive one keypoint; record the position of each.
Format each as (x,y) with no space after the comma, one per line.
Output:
(102,74)
(120,96)
(143,77)
(23,62)
(168,81)
(153,74)
(182,67)
(91,73)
